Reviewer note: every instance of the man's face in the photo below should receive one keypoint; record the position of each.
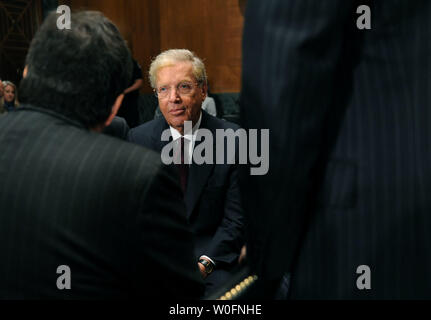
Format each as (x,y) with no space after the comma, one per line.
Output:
(9,94)
(178,107)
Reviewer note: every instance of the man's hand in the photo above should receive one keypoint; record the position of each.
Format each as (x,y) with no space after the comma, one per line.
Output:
(205,266)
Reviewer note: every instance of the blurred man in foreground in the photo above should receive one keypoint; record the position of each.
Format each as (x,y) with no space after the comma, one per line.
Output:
(84,215)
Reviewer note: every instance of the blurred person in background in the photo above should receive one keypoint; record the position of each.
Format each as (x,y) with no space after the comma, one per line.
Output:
(9,101)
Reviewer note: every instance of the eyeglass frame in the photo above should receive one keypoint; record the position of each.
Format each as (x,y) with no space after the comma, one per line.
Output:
(196,83)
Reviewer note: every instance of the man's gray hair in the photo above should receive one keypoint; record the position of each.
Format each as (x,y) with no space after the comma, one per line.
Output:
(173,56)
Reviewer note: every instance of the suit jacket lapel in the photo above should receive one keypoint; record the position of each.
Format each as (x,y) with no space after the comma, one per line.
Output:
(198,174)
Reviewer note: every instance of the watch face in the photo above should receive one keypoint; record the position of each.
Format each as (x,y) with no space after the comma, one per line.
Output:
(208,265)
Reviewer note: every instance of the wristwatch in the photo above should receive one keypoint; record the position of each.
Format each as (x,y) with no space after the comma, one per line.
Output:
(209,267)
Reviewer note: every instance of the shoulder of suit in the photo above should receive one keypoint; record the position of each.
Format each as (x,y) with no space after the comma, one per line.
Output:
(148,127)
(119,120)
(133,154)
(218,123)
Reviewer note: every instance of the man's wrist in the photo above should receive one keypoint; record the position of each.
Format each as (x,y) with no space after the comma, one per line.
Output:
(208,265)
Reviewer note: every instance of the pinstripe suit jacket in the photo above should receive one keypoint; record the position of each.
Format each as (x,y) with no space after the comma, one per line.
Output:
(350,135)
(69,196)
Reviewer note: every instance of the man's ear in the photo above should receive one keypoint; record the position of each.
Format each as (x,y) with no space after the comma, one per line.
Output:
(24,73)
(114,110)
(204,91)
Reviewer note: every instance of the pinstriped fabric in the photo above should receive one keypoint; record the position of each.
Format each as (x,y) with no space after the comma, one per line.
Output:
(349,119)
(69,196)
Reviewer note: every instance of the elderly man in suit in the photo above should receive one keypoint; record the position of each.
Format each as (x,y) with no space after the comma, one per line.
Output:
(84,215)
(344,88)
(211,191)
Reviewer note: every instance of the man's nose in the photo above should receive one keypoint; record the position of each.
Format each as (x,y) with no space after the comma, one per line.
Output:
(174,95)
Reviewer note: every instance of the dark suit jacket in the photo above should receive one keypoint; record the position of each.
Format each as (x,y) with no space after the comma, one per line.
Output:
(212,195)
(118,128)
(349,118)
(106,208)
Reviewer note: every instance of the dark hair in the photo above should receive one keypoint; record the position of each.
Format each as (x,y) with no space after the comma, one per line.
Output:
(78,72)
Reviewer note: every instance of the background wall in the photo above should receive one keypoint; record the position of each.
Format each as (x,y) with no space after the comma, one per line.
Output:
(18,22)
(210,28)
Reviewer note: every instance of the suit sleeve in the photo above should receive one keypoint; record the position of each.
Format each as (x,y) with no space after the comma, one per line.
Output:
(229,237)
(292,51)
(167,243)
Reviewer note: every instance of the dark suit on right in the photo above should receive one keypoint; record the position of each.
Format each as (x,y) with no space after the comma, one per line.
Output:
(349,113)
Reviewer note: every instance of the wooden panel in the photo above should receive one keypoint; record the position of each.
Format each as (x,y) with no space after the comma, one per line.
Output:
(137,20)
(213,30)
(210,28)
(144,33)
(19,21)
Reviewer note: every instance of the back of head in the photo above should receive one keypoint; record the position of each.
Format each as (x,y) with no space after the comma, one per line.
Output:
(78,72)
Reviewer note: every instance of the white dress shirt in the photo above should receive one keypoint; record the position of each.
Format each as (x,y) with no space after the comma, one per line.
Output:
(189,139)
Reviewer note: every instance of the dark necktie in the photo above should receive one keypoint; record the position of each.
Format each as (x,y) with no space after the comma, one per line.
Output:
(183,167)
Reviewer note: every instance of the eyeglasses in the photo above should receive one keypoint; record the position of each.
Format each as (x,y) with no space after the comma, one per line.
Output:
(183,88)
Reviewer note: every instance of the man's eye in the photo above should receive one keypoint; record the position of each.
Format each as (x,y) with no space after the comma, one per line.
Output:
(163,89)
(185,86)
